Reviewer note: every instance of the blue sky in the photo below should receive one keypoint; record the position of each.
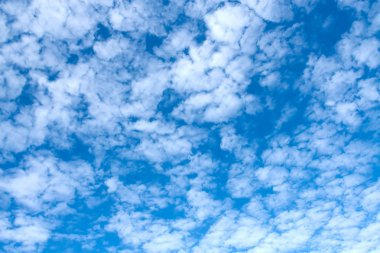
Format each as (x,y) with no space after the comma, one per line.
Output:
(189,126)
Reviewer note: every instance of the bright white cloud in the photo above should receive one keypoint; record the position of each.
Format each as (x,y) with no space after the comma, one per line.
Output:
(189,126)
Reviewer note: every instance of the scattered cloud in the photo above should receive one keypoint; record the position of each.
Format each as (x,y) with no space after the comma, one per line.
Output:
(189,126)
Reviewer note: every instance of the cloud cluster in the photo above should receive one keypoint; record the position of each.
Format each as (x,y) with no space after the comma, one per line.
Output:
(189,126)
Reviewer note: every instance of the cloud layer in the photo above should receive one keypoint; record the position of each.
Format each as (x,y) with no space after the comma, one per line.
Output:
(189,126)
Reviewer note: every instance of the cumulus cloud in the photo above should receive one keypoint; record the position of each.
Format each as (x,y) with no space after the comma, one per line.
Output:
(189,126)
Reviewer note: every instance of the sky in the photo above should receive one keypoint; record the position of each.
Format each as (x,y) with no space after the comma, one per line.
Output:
(189,126)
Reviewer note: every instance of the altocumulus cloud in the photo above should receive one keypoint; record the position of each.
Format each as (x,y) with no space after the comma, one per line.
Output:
(189,126)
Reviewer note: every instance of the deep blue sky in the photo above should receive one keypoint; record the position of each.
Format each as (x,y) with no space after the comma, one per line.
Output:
(189,126)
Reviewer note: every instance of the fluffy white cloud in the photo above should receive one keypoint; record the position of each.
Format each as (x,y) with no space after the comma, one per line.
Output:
(188,126)
(30,232)
(45,181)
(226,24)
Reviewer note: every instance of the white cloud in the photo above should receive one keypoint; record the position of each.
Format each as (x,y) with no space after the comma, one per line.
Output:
(110,48)
(43,182)
(217,106)
(368,52)
(202,206)
(164,243)
(30,232)
(271,10)
(139,230)
(4,31)
(226,24)
(112,184)
(202,177)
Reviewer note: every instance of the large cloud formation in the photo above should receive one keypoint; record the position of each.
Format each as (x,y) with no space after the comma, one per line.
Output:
(189,126)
